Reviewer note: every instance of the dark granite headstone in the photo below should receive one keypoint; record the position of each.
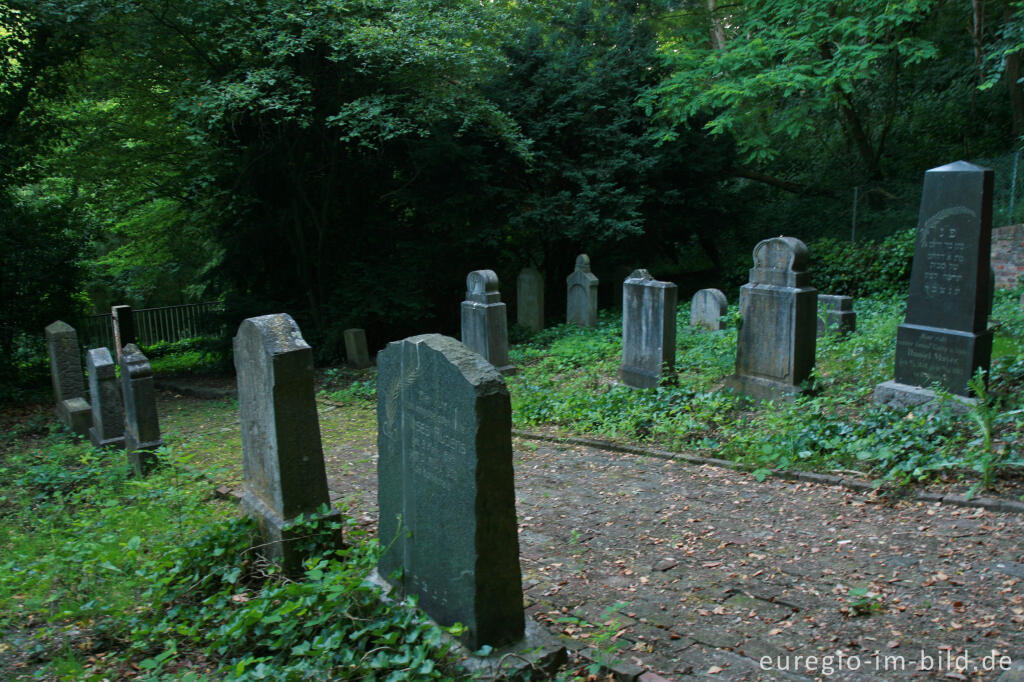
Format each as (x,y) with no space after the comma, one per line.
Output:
(282,456)
(356,348)
(66,376)
(530,299)
(446,487)
(123,326)
(945,337)
(485,321)
(648,329)
(707,308)
(105,395)
(141,423)
(581,294)
(777,337)
(836,315)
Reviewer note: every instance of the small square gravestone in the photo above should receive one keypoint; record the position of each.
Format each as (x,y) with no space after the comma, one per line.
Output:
(777,337)
(123,327)
(66,376)
(530,299)
(485,321)
(945,337)
(836,315)
(282,456)
(707,308)
(446,487)
(581,294)
(105,395)
(648,329)
(141,422)
(356,348)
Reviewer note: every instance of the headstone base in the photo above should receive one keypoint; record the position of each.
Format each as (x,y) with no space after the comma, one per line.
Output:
(904,397)
(76,414)
(108,443)
(277,535)
(637,378)
(141,456)
(948,357)
(764,389)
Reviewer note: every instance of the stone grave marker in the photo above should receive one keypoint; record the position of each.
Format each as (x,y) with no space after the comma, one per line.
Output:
(66,376)
(945,338)
(123,327)
(141,422)
(446,487)
(835,314)
(105,396)
(648,329)
(707,308)
(777,337)
(485,321)
(282,456)
(530,299)
(356,348)
(581,294)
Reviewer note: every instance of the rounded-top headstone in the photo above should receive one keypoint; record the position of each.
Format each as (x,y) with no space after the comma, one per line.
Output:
(583,262)
(482,286)
(780,261)
(640,273)
(707,307)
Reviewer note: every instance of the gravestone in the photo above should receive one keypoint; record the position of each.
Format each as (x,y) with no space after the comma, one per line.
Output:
(485,321)
(776,340)
(835,315)
(282,456)
(66,376)
(105,396)
(123,326)
(530,299)
(355,348)
(945,338)
(648,329)
(707,308)
(446,487)
(141,423)
(581,294)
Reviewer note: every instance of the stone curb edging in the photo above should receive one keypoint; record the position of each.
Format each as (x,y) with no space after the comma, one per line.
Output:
(958,500)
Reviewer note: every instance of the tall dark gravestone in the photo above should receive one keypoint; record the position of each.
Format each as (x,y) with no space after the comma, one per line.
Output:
(141,422)
(123,327)
(446,490)
(105,395)
(945,337)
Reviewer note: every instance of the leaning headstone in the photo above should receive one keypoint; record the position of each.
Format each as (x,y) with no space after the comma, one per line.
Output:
(707,308)
(66,375)
(355,348)
(648,329)
(778,334)
(530,299)
(485,321)
(141,423)
(105,396)
(282,456)
(446,487)
(945,337)
(835,314)
(123,327)
(581,294)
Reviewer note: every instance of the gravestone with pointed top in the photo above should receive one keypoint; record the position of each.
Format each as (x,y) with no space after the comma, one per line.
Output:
(123,326)
(66,376)
(777,337)
(105,396)
(485,320)
(356,348)
(581,294)
(530,299)
(836,315)
(648,329)
(707,308)
(945,338)
(141,421)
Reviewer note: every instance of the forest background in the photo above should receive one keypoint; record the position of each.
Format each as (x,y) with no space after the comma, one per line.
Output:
(349,161)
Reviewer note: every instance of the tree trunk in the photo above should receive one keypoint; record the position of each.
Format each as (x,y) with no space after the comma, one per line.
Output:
(717,31)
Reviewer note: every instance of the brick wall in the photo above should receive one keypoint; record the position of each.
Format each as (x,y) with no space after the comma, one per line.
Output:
(1008,255)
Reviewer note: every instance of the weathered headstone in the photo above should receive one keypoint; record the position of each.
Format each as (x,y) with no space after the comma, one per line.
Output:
(282,456)
(105,396)
(123,326)
(581,294)
(835,314)
(66,375)
(530,299)
(707,308)
(648,329)
(446,487)
(356,349)
(945,337)
(485,321)
(778,334)
(141,422)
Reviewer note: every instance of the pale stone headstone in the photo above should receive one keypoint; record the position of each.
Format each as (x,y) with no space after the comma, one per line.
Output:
(141,422)
(707,308)
(485,321)
(581,294)
(446,487)
(835,314)
(105,396)
(123,327)
(945,337)
(356,348)
(530,299)
(777,337)
(282,456)
(648,329)
(66,375)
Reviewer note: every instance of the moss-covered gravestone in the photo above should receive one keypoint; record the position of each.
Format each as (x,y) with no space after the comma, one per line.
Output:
(66,374)
(141,422)
(446,491)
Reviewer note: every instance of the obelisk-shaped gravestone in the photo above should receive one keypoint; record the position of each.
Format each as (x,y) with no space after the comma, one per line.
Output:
(141,422)
(66,375)
(945,337)
(445,487)
(648,329)
(581,294)
(282,457)
(105,396)
(530,299)
(485,320)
